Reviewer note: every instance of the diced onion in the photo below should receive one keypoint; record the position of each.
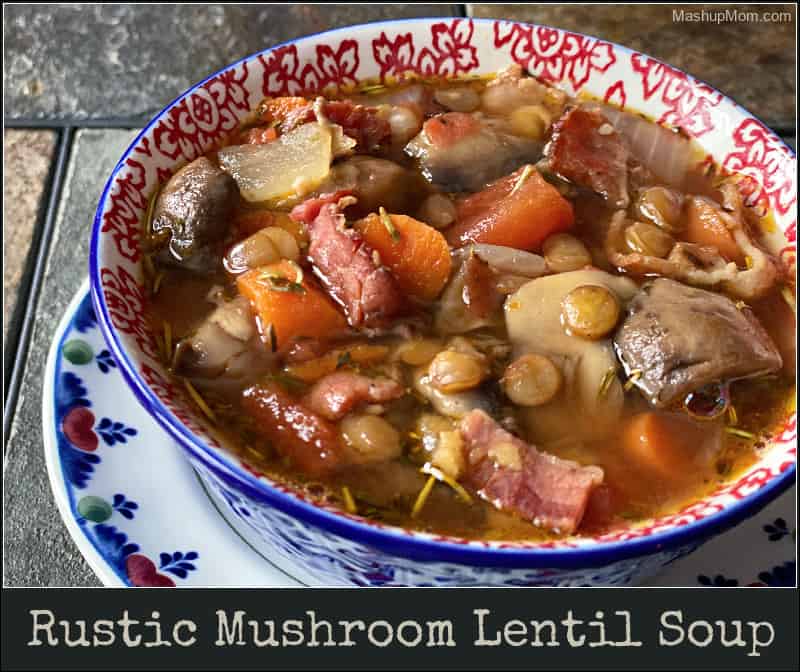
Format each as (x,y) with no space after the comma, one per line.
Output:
(511,260)
(272,171)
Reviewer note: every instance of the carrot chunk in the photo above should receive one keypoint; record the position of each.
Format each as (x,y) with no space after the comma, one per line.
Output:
(663,443)
(520,210)
(285,111)
(360,353)
(416,254)
(295,307)
(309,441)
(260,135)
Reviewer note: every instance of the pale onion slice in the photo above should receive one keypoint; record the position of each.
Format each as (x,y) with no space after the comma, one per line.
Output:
(664,151)
(511,260)
(294,163)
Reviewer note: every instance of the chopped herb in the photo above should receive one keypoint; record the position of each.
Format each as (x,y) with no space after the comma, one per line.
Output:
(158,336)
(372,89)
(527,171)
(151,206)
(272,337)
(439,475)
(787,295)
(387,222)
(741,433)
(280,283)
(635,375)
(168,339)
(349,502)
(290,383)
(605,384)
(199,401)
(343,359)
(149,268)
(157,282)
(629,515)
(175,354)
(422,497)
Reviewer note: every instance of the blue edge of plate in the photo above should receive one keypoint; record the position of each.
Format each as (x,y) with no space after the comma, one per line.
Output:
(385,540)
(83,307)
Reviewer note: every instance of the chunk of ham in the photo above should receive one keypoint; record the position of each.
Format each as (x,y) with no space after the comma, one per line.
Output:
(587,150)
(308,440)
(350,270)
(360,122)
(515,477)
(335,395)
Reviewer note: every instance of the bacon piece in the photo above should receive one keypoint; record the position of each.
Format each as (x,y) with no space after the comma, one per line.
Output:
(307,211)
(260,135)
(349,268)
(335,395)
(516,477)
(308,440)
(587,150)
(358,121)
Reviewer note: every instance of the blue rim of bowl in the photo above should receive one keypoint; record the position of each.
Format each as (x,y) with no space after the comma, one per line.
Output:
(397,541)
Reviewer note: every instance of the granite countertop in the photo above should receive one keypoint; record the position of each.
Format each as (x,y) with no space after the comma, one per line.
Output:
(78,81)
(753,62)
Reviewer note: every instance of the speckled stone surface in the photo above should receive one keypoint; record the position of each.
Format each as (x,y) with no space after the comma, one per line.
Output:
(128,61)
(752,62)
(26,158)
(38,549)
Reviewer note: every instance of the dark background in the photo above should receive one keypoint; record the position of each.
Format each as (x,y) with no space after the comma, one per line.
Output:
(79,79)
(779,608)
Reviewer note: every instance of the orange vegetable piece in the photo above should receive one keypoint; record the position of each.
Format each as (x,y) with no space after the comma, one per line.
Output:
(307,439)
(663,443)
(283,109)
(313,369)
(522,219)
(294,313)
(705,226)
(260,135)
(418,255)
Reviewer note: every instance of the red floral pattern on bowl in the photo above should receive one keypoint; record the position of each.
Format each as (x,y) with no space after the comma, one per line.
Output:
(204,116)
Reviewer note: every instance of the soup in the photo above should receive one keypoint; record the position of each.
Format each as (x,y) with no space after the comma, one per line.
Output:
(474,307)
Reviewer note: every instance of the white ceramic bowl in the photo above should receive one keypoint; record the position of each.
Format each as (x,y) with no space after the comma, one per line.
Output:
(331,546)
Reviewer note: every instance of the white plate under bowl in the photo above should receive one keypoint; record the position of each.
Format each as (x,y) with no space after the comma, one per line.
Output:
(140,516)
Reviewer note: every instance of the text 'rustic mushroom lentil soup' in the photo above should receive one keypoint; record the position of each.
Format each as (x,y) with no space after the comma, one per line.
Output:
(475,307)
